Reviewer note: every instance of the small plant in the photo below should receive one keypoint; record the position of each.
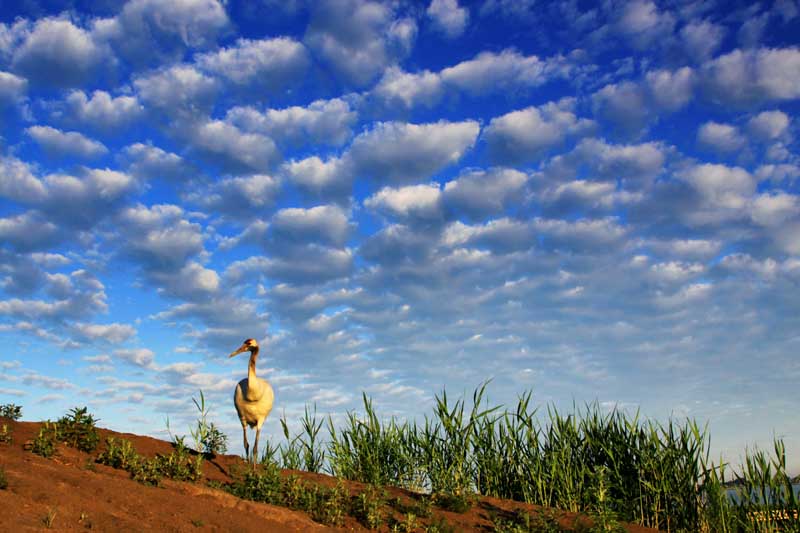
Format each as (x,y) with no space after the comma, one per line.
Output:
(5,434)
(335,506)
(45,442)
(457,503)
(119,454)
(263,485)
(10,410)
(78,430)
(368,507)
(439,525)
(207,437)
(49,518)
(179,464)
(3,479)
(197,522)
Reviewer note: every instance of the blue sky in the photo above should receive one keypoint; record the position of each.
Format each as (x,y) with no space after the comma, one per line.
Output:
(592,201)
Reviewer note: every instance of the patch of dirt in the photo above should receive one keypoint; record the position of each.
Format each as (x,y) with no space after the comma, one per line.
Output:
(70,492)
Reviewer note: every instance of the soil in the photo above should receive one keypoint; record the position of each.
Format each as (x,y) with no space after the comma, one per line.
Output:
(71,492)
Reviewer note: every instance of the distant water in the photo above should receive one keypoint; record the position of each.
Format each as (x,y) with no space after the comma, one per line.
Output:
(734,492)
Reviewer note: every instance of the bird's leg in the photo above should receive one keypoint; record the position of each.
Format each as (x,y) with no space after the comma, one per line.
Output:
(246,444)
(255,446)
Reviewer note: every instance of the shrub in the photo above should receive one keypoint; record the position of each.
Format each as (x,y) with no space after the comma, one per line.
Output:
(45,442)
(118,454)
(368,507)
(78,430)
(10,410)
(179,464)
(263,485)
(5,434)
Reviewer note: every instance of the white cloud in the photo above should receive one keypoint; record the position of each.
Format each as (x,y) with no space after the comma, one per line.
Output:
(624,104)
(56,52)
(412,202)
(268,63)
(18,183)
(322,178)
(774,208)
(448,17)
(481,193)
(724,191)
(327,224)
(769,125)
(322,121)
(239,196)
(501,235)
(506,71)
(11,87)
(114,333)
(642,23)
(102,111)
(233,150)
(58,143)
(720,137)
(150,162)
(177,90)
(702,39)
(398,87)
(159,236)
(358,38)
(151,31)
(136,356)
(752,76)
(401,152)
(671,90)
(524,135)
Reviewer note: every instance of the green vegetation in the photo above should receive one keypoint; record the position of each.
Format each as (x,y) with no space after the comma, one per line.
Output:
(610,466)
(10,410)
(78,430)
(178,465)
(5,434)
(45,442)
(208,438)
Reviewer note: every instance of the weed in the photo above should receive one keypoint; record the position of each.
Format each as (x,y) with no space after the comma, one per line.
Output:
(146,471)
(3,479)
(5,434)
(118,454)
(440,525)
(368,506)
(11,411)
(78,430)
(293,492)
(457,503)
(179,464)
(49,518)
(197,523)
(207,437)
(335,505)
(45,442)
(262,485)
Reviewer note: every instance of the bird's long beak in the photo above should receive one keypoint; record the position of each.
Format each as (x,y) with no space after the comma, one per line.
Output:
(242,348)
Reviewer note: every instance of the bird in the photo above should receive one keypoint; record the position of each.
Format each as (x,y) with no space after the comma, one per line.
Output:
(252,398)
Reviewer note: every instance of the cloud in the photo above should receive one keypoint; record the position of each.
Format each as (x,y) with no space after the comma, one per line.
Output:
(267,63)
(448,17)
(115,333)
(242,196)
(401,152)
(159,237)
(481,193)
(231,149)
(358,38)
(502,235)
(642,23)
(29,231)
(720,137)
(724,191)
(624,105)
(18,183)
(141,357)
(325,224)
(57,143)
(329,178)
(180,90)
(102,111)
(75,296)
(414,202)
(670,90)
(321,122)
(149,162)
(12,88)
(747,77)
(149,32)
(399,88)
(701,39)
(58,53)
(769,125)
(524,135)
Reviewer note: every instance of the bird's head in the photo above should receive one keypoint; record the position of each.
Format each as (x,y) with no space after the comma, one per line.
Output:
(248,345)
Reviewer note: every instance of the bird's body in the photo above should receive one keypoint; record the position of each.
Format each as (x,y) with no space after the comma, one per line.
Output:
(252,398)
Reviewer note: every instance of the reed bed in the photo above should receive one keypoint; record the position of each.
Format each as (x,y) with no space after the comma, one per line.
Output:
(610,465)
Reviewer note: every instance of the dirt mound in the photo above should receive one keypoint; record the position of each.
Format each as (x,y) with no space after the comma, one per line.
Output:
(70,491)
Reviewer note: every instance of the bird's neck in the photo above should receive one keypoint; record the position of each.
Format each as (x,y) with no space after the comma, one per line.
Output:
(251,368)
